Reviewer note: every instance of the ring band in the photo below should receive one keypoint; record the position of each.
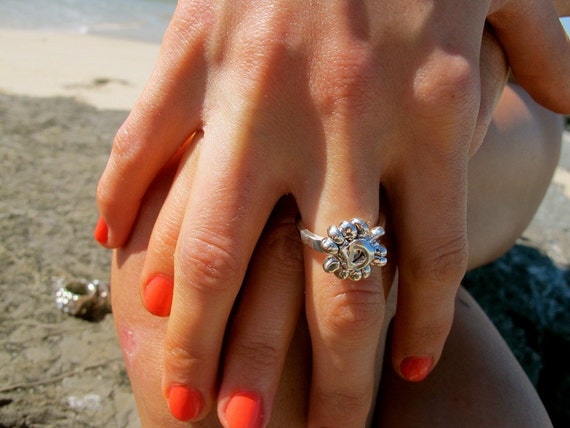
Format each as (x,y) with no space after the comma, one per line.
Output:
(83,299)
(352,248)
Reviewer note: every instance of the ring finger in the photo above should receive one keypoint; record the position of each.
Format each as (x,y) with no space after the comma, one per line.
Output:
(345,317)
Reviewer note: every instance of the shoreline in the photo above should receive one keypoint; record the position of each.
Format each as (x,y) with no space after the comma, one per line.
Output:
(143,20)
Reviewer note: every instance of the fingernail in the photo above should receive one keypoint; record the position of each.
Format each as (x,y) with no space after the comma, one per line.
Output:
(101,232)
(244,410)
(158,296)
(416,369)
(184,403)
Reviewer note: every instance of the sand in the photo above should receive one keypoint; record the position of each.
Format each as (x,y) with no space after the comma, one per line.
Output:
(104,72)
(62,96)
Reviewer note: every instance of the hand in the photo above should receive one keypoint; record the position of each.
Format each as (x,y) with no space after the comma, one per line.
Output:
(354,97)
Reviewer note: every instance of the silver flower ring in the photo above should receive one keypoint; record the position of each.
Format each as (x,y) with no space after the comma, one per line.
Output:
(352,248)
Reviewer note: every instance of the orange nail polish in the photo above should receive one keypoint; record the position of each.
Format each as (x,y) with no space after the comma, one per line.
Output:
(101,232)
(184,403)
(416,369)
(244,410)
(158,296)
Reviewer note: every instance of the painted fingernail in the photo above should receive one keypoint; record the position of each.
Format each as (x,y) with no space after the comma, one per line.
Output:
(244,410)
(416,369)
(184,403)
(101,232)
(158,296)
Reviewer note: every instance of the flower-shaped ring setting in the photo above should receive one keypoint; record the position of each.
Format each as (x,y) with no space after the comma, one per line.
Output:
(352,248)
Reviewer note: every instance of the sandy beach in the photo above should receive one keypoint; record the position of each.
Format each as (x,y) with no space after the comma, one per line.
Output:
(62,97)
(100,71)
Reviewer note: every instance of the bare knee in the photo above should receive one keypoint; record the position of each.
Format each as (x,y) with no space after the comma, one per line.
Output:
(472,386)
(510,174)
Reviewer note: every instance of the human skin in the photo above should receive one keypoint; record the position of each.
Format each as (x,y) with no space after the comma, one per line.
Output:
(473,386)
(397,105)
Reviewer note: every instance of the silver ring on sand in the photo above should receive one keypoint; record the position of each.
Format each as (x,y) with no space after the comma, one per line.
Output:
(84,299)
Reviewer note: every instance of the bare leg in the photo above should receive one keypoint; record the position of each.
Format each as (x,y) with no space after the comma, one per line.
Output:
(510,174)
(478,381)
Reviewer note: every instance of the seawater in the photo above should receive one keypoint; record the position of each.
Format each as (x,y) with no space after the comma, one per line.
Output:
(144,20)
(139,19)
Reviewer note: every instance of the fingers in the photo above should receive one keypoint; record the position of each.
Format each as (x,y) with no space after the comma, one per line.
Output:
(432,256)
(217,238)
(165,116)
(538,50)
(429,212)
(345,317)
(141,334)
(265,320)
(428,205)
(157,276)
(494,73)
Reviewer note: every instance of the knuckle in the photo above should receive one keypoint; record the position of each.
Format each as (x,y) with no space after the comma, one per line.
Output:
(104,199)
(212,259)
(434,332)
(347,408)
(164,239)
(109,197)
(189,19)
(259,55)
(129,151)
(124,144)
(178,360)
(347,83)
(445,263)
(444,79)
(128,155)
(261,356)
(446,90)
(354,313)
